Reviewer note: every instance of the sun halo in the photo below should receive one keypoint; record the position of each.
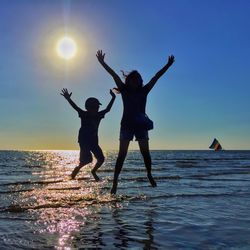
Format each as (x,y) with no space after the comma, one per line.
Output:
(66,48)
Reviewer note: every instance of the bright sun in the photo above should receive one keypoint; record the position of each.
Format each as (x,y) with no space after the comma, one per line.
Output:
(66,48)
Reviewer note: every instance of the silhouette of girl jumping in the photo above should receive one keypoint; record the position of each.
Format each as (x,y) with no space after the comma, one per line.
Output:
(134,120)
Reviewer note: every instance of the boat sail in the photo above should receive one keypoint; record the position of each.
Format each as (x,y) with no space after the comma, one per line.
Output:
(215,145)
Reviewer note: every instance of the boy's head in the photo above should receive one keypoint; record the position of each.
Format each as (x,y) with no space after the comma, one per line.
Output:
(92,104)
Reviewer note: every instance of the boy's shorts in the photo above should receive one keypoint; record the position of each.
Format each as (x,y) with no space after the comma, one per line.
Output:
(128,134)
(86,156)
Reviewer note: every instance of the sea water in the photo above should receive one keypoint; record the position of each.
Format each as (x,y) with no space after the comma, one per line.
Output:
(202,201)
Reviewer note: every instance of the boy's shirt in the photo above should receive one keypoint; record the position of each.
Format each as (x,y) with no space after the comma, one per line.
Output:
(88,132)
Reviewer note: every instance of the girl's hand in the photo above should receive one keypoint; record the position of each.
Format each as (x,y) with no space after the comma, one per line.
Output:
(66,94)
(112,93)
(170,60)
(100,56)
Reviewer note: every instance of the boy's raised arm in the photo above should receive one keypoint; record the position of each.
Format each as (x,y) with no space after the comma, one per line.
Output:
(153,81)
(109,106)
(100,56)
(67,96)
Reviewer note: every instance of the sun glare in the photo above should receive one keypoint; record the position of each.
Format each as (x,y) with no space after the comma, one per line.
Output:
(66,48)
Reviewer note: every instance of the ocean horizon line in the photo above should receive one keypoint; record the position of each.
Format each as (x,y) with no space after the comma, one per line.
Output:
(163,149)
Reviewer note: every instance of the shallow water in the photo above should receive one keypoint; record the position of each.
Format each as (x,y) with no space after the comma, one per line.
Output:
(202,202)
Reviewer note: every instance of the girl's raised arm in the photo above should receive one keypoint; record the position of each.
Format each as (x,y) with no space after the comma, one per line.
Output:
(100,56)
(153,81)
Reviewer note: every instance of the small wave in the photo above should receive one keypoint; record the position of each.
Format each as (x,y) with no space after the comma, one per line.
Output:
(31,190)
(221,173)
(17,218)
(139,169)
(32,166)
(44,182)
(83,201)
(142,179)
(215,179)
(139,178)
(16,191)
(66,188)
(186,164)
(209,159)
(111,199)
(246,166)
(208,195)
(86,179)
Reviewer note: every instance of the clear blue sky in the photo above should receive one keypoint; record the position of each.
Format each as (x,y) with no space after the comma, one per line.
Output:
(204,95)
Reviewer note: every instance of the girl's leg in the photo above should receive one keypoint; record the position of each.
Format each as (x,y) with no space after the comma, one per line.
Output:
(97,151)
(123,149)
(144,148)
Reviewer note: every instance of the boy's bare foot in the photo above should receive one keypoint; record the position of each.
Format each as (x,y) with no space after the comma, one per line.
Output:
(95,175)
(151,180)
(74,173)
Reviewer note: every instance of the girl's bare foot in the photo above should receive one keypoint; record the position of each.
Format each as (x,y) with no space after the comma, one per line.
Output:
(151,180)
(113,189)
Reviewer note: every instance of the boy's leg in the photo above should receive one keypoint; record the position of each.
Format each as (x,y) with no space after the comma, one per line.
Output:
(123,149)
(85,158)
(77,169)
(97,152)
(144,148)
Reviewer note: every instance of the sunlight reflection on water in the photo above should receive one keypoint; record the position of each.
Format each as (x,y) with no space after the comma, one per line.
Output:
(61,207)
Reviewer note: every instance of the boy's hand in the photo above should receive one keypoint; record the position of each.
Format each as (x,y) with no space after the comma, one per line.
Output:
(170,60)
(100,56)
(66,94)
(112,93)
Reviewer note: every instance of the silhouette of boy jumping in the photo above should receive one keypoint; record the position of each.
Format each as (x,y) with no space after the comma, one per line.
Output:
(88,133)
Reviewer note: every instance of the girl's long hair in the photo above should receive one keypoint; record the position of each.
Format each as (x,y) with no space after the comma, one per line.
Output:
(129,77)
(133,75)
